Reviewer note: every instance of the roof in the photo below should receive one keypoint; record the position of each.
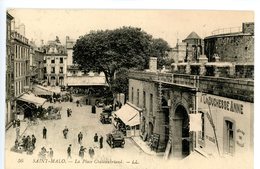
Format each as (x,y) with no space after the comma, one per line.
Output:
(31,98)
(193,35)
(129,115)
(40,90)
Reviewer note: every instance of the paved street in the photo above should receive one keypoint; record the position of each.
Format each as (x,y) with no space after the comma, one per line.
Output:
(81,120)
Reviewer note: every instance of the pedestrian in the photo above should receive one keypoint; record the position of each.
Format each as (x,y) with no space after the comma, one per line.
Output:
(69,151)
(16,144)
(18,123)
(44,132)
(65,132)
(93,109)
(80,137)
(96,138)
(91,152)
(14,123)
(81,152)
(68,112)
(23,141)
(17,132)
(42,153)
(51,153)
(101,142)
(29,142)
(77,102)
(33,141)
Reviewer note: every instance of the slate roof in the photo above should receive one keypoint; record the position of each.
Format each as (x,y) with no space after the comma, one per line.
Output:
(193,35)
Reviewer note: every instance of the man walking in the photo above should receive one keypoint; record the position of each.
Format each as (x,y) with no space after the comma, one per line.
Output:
(96,138)
(68,112)
(101,142)
(69,151)
(80,137)
(65,132)
(51,153)
(44,132)
(33,141)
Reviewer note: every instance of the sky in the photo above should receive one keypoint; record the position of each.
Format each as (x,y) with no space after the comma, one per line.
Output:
(169,25)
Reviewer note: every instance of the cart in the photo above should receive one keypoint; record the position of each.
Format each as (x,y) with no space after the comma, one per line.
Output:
(115,139)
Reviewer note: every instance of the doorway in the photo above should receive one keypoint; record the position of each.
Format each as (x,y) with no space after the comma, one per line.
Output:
(181,133)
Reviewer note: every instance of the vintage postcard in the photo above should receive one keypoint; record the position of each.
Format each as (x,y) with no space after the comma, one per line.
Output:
(129,89)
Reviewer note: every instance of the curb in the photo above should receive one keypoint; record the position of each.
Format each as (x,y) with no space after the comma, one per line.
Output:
(141,147)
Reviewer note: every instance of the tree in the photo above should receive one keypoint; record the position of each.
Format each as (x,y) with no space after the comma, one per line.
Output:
(159,49)
(110,50)
(107,51)
(120,84)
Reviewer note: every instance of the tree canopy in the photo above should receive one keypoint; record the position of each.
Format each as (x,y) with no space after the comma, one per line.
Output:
(109,50)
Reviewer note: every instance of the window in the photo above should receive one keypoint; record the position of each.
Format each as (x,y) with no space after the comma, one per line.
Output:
(144,99)
(137,97)
(52,69)
(53,60)
(151,102)
(61,69)
(44,70)
(61,60)
(229,137)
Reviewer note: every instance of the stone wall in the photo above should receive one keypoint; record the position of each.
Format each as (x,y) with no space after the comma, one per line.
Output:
(236,48)
(248,27)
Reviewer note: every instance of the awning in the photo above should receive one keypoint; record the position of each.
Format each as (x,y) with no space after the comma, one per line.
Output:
(129,115)
(40,90)
(31,98)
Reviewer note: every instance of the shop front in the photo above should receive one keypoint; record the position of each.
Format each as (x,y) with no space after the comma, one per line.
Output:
(227,126)
(26,104)
(127,119)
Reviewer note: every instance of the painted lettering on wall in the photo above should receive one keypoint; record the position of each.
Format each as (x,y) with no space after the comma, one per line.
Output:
(211,139)
(240,135)
(223,104)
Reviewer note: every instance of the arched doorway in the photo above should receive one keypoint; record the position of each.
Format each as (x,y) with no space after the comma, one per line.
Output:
(181,132)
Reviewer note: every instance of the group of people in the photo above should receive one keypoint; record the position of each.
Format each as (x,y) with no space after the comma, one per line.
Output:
(43,153)
(16,123)
(82,149)
(26,144)
(100,140)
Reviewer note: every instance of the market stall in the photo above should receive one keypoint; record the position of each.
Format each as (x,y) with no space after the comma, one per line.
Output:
(128,120)
(27,104)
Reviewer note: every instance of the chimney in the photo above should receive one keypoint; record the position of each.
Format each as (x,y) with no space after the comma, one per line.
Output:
(22,29)
(153,64)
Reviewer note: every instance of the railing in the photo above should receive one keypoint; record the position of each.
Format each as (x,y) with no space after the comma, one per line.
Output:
(242,89)
(227,30)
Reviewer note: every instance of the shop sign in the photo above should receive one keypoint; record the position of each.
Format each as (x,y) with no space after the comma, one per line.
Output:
(240,136)
(223,103)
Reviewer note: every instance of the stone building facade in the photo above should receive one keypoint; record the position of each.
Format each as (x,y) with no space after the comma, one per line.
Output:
(21,63)
(188,50)
(9,72)
(36,64)
(237,46)
(55,63)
